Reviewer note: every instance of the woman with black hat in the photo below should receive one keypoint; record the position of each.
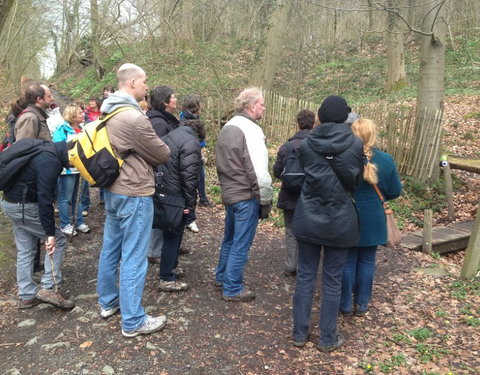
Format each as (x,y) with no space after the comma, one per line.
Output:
(325,218)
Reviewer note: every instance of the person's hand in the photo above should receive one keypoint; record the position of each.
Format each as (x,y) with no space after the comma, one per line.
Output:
(265,210)
(50,245)
(186,211)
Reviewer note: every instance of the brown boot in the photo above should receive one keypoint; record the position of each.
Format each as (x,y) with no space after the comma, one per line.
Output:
(27,303)
(55,298)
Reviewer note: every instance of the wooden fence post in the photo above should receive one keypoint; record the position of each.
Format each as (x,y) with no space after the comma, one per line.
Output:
(447,176)
(427,231)
(472,254)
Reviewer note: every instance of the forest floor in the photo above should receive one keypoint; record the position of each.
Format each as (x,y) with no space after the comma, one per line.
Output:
(423,319)
(420,321)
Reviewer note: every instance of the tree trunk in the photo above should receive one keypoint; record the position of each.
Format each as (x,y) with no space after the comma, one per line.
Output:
(430,91)
(396,76)
(94,20)
(5,7)
(264,71)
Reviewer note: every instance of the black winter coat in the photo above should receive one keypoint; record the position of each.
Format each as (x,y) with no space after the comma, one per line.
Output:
(325,213)
(163,122)
(182,169)
(286,199)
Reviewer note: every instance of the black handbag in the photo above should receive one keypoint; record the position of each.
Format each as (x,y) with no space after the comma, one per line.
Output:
(168,211)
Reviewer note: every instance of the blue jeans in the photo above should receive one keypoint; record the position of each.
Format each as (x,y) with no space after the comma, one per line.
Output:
(201,186)
(126,236)
(333,262)
(67,200)
(358,276)
(84,195)
(241,221)
(170,252)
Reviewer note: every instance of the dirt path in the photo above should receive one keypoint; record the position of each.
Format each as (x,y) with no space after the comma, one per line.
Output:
(205,335)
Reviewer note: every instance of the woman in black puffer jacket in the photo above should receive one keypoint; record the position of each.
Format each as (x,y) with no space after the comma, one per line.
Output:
(181,178)
(325,217)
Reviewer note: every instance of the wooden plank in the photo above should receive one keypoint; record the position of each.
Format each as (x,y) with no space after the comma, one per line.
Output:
(444,240)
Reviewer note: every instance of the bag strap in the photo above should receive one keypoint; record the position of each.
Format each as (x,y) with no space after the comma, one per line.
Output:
(386,207)
(105,117)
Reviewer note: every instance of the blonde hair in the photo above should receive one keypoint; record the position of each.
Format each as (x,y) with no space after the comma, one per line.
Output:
(246,98)
(70,113)
(366,130)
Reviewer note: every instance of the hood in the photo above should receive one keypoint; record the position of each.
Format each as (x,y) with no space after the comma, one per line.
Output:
(187,115)
(330,138)
(62,153)
(116,100)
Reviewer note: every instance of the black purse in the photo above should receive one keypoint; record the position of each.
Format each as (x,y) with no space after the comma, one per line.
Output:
(167,206)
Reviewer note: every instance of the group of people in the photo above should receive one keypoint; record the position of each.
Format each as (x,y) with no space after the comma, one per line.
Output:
(337,214)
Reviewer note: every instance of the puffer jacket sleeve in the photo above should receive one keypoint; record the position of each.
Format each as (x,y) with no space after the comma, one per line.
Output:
(190,161)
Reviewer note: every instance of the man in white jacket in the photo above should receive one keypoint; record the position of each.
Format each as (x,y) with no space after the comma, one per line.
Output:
(242,167)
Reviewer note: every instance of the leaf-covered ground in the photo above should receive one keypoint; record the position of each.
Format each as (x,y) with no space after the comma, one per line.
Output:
(418,323)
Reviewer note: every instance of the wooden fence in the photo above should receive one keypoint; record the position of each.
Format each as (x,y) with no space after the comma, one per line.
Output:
(413,141)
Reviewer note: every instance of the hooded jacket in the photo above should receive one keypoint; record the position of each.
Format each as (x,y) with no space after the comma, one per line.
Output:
(133,139)
(183,166)
(286,199)
(40,178)
(325,213)
(163,122)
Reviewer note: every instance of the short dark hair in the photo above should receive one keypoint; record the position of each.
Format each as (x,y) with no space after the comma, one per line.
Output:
(305,119)
(159,96)
(196,125)
(33,92)
(192,103)
(108,88)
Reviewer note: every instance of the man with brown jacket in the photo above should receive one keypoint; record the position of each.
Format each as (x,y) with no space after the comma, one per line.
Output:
(129,206)
(242,167)
(32,122)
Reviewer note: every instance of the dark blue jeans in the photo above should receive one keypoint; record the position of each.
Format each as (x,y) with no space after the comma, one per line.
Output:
(201,186)
(358,276)
(241,221)
(333,263)
(170,252)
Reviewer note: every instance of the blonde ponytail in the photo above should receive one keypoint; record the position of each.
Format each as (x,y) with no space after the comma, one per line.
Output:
(365,129)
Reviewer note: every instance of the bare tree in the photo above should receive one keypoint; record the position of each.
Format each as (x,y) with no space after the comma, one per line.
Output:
(396,76)
(95,37)
(5,7)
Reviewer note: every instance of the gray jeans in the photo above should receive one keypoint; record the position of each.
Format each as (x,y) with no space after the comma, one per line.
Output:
(291,242)
(26,233)
(156,243)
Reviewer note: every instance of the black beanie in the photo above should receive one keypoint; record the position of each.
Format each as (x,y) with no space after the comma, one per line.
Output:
(333,109)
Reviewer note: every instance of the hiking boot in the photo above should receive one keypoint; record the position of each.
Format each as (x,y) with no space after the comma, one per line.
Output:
(84,228)
(107,313)
(151,324)
(27,303)
(299,344)
(69,230)
(55,298)
(153,260)
(84,213)
(360,314)
(244,296)
(193,227)
(346,313)
(172,286)
(184,250)
(218,284)
(336,345)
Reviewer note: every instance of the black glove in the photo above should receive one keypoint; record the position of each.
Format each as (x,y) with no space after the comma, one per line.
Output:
(265,210)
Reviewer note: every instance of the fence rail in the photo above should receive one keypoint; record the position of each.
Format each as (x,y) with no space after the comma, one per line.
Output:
(413,140)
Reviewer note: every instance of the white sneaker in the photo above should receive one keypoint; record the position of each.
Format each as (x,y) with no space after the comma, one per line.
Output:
(193,227)
(84,213)
(69,230)
(84,228)
(151,324)
(107,313)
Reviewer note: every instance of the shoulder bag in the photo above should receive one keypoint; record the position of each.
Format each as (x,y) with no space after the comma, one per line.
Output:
(394,236)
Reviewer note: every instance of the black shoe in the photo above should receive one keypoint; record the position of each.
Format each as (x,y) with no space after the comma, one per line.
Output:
(153,260)
(360,314)
(290,273)
(346,313)
(336,345)
(245,296)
